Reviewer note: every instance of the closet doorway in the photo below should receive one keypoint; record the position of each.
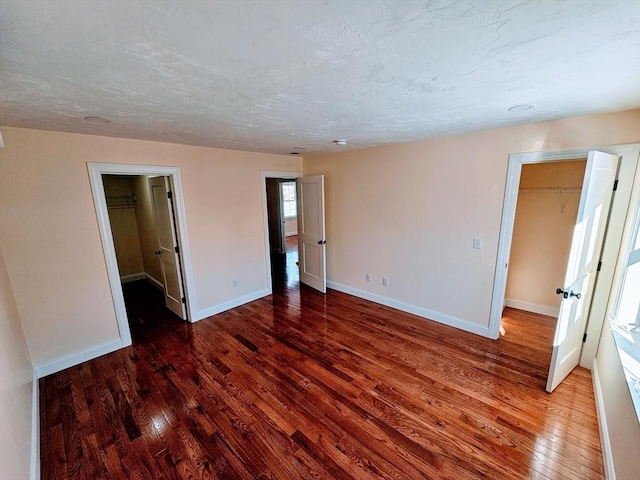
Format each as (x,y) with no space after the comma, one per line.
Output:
(141,219)
(546,210)
(144,236)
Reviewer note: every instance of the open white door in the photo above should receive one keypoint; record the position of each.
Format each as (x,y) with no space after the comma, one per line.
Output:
(586,247)
(168,246)
(311,239)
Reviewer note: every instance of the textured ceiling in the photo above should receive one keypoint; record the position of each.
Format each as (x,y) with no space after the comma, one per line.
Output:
(273,75)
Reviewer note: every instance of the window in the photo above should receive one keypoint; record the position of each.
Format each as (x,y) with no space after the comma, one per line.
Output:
(289,199)
(625,321)
(627,311)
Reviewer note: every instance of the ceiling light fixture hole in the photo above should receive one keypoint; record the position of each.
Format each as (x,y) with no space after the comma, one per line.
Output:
(521,108)
(96,119)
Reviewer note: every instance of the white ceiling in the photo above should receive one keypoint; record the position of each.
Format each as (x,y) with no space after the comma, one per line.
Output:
(273,75)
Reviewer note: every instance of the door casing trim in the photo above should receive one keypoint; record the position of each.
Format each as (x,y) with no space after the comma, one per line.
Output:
(96,170)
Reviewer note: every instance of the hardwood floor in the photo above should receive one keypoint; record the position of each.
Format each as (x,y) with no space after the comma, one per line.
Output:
(284,268)
(302,385)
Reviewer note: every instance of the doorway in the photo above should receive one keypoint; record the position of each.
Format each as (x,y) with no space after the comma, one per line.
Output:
(143,229)
(285,265)
(311,232)
(546,211)
(125,272)
(281,204)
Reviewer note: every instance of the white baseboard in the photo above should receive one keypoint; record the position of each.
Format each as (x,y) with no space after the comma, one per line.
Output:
(290,234)
(236,302)
(34,469)
(77,358)
(414,309)
(532,307)
(134,277)
(605,442)
(154,282)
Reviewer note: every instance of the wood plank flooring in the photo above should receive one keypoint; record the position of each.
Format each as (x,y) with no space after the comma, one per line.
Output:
(301,385)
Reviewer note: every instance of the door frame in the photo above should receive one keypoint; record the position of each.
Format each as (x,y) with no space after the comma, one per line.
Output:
(96,170)
(626,169)
(264,174)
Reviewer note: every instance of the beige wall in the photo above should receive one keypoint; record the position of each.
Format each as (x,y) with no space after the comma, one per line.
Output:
(542,234)
(146,228)
(411,211)
(124,227)
(16,383)
(49,231)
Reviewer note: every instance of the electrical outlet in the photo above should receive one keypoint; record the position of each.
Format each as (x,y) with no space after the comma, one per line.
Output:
(367,277)
(234,283)
(385,281)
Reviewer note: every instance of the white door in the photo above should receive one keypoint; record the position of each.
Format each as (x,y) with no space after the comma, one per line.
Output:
(311,239)
(168,245)
(586,247)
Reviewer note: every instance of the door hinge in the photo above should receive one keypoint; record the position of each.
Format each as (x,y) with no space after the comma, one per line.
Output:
(599,265)
(169,194)
(615,185)
(176,249)
(184,299)
(584,338)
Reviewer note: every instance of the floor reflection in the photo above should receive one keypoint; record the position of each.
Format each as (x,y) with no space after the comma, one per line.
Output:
(147,312)
(284,267)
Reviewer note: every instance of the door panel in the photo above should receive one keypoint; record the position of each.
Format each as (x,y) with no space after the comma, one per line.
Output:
(311,199)
(586,247)
(167,242)
(311,232)
(313,260)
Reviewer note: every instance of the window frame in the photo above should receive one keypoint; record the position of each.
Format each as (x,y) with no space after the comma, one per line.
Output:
(294,201)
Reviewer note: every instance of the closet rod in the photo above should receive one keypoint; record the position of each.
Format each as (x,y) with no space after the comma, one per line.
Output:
(551,191)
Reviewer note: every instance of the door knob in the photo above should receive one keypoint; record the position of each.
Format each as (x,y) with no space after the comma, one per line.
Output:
(566,294)
(322,242)
(158,252)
